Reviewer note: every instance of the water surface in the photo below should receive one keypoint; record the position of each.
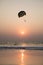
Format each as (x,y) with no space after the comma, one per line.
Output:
(21,57)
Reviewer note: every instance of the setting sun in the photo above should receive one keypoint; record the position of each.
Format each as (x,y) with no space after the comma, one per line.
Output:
(22,32)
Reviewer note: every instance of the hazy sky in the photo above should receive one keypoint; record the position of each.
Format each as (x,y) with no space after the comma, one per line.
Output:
(11,25)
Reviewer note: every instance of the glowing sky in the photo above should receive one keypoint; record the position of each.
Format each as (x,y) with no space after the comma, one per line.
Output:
(12,26)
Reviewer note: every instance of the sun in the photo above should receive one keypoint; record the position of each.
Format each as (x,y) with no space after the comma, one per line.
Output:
(22,33)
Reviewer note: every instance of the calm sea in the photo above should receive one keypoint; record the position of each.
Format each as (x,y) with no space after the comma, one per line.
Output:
(21,57)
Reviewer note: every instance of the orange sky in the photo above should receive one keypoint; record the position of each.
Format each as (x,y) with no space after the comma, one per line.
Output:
(11,25)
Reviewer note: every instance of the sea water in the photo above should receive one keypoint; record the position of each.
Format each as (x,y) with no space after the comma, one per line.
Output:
(21,56)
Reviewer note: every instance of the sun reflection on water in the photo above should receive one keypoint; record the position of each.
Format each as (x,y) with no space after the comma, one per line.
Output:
(22,57)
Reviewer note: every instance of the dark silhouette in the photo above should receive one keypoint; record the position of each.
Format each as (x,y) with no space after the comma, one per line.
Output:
(21,14)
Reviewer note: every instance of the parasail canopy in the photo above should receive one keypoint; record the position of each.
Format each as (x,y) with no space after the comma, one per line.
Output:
(21,14)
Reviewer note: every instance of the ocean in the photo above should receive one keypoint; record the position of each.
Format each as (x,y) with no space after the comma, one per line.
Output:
(22,54)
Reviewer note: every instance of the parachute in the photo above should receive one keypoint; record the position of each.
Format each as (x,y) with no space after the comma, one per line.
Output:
(21,14)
